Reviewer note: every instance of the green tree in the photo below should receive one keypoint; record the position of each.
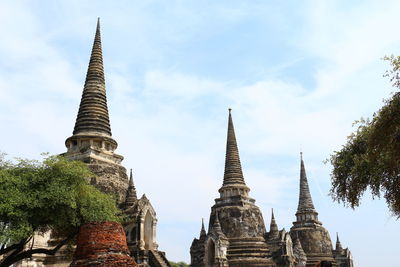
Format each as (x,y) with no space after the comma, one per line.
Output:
(52,195)
(178,264)
(371,157)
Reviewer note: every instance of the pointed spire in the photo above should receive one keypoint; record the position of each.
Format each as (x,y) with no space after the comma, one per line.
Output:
(131,196)
(93,112)
(305,200)
(216,228)
(217,225)
(305,210)
(338,244)
(131,179)
(203,230)
(273,230)
(298,250)
(233,170)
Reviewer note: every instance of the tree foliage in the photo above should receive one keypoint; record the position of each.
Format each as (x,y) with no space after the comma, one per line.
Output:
(178,264)
(371,157)
(36,197)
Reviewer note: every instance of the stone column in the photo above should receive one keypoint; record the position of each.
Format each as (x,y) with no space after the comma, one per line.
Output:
(155,245)
(141,226)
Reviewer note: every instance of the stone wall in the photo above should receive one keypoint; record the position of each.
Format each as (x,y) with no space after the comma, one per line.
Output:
(111,178)
(240,221)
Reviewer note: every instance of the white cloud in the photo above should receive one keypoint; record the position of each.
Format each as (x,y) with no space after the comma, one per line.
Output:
(171,125)
(167,84)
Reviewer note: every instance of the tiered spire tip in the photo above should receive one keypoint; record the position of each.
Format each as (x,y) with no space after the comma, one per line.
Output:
(338,244)
(203,230)
(273,229)
(131,195)
(305,200)
(93,112)
(217,225)
(233,170)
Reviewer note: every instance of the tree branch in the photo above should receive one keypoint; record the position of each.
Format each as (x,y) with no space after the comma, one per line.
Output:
(17,246)
(9,260)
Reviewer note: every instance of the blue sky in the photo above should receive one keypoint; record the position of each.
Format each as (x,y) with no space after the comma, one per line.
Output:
(296,76)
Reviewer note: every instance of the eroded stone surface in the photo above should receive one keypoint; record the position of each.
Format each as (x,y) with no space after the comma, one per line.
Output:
(111,178)
(315,240)
(241,221)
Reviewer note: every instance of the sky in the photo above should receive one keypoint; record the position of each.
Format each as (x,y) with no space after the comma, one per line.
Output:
(296,77)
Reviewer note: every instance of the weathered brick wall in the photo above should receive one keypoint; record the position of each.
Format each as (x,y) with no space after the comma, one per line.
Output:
(102,244)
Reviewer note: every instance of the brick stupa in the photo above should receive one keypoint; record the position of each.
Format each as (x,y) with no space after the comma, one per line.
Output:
(102,244)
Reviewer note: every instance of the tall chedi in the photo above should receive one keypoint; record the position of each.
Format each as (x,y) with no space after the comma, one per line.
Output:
(93,144)
(240,219)
(314,238)
(91,141)
(236,233)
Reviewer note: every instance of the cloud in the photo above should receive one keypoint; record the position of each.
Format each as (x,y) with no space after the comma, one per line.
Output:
(169,115)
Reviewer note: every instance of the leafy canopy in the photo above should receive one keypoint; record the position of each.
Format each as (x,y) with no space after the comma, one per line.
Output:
(178,264)
(49,195)
(371,157)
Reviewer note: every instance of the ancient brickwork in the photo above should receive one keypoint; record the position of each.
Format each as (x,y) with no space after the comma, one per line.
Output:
(102,244)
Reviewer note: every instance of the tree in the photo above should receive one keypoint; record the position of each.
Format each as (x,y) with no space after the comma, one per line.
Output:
(178,264)
(371,157)
(52,195)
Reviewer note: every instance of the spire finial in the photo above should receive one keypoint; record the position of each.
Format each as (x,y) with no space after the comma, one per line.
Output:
(306,205)
(338,244)
(93,112)
(233,170)
(203,230)
(131,195)
(131,178)
(273,228)
(337,238)
(98,25)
